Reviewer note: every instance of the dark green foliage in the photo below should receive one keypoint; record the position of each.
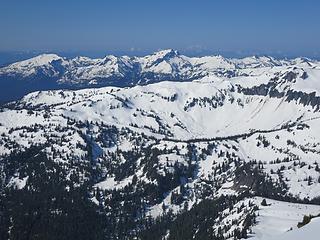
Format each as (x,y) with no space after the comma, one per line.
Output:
(306,219)
(49,206)
(264,202)
(198,222)
(251,174)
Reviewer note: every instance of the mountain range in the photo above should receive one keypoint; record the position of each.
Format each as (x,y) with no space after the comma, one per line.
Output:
(50,71)
(168,147)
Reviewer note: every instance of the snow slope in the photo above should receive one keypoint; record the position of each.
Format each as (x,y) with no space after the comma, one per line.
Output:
(310,232)
(279,220)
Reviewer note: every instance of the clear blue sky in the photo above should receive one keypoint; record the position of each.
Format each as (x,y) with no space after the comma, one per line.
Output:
(291,26)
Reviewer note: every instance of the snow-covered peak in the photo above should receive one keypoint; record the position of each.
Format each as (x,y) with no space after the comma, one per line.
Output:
(304,62)
(211,63)
(43,59)
(110,58)
(166,62)
(157,57)
(166,52)
(32,67)
(258,61)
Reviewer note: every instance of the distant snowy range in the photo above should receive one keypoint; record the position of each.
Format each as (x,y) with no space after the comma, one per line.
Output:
(163,146)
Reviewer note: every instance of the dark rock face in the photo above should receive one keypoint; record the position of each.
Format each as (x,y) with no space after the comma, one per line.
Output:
(306,99)
(262,90)
(304,75)
(290,76)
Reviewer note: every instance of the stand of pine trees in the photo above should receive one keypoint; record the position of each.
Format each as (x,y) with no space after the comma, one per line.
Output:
(49,206)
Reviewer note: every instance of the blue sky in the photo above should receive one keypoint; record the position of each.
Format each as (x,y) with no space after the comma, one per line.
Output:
(188,25)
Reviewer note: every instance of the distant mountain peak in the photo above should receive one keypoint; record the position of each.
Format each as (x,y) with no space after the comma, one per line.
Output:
(39,60)
(167,51)
(166,54)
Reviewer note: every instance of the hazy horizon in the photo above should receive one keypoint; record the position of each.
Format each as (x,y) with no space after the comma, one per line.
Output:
(7,57)
(283,28)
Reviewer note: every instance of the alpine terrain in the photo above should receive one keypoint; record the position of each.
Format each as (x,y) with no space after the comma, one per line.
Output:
(168,147)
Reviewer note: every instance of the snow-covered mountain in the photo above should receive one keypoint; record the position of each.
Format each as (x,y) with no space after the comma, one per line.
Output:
(49,71)
(186,159)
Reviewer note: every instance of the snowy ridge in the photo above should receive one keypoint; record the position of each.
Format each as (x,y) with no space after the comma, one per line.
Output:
(49,71)
(30,67)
